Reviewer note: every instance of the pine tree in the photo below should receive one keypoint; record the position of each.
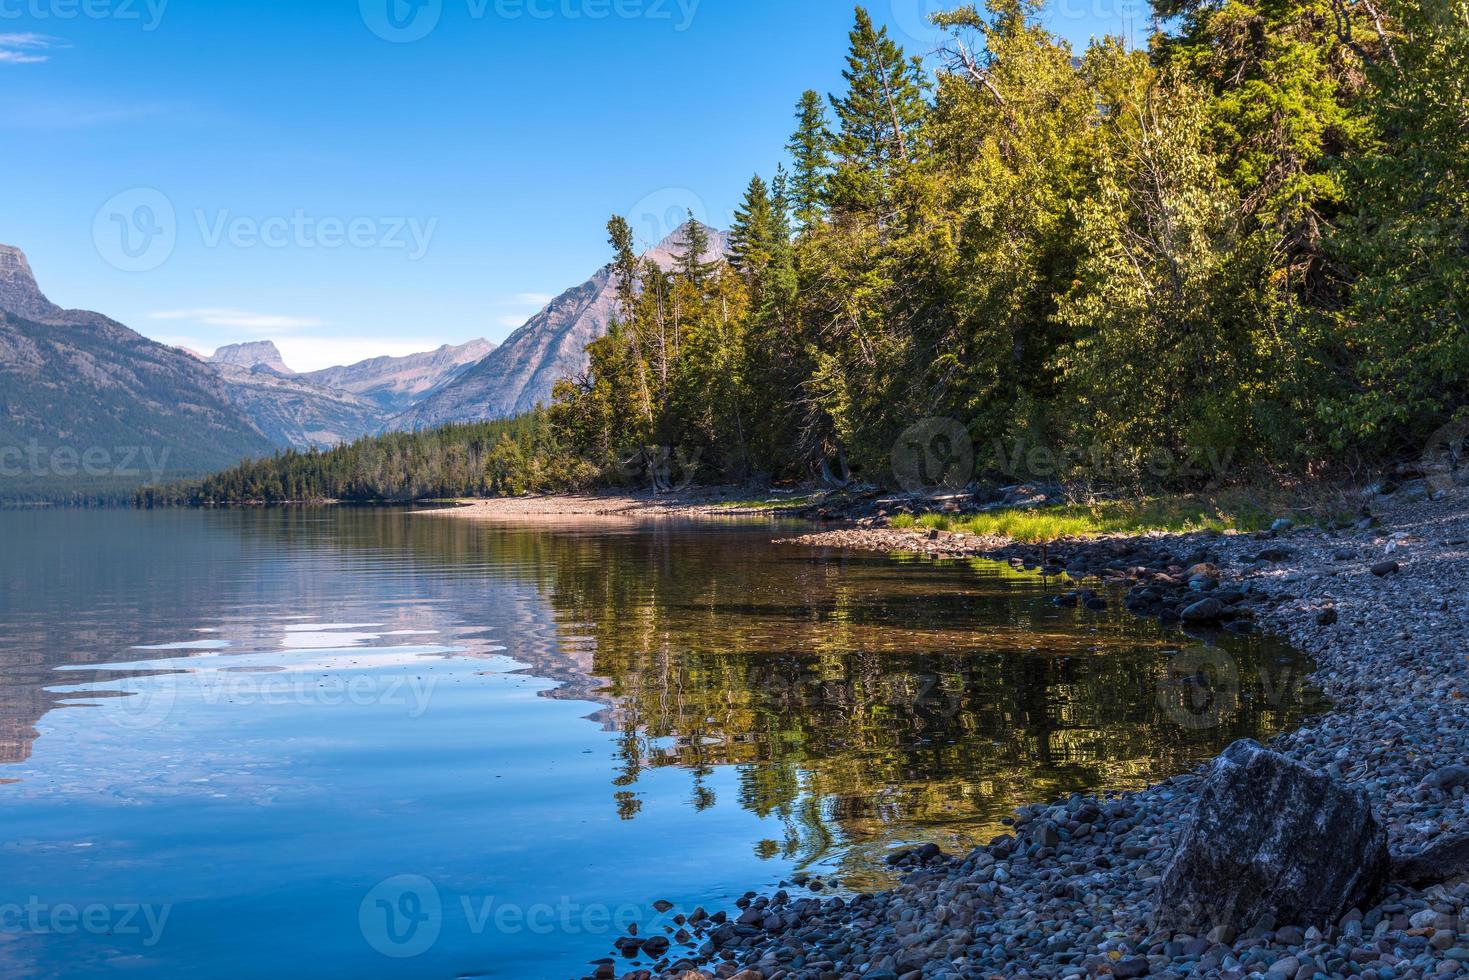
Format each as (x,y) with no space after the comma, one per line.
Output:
(624,262)
(752,239)
(879,116)
(689,260)
(780,201)
(810,153)
(625,267)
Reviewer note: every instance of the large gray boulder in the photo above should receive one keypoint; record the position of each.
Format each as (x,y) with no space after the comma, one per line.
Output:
(1272,839)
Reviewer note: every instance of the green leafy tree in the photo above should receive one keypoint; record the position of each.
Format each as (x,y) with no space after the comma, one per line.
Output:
(1406,330)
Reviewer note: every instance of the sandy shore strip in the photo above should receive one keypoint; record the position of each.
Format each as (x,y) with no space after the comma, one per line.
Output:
(1382,610)
(711,502)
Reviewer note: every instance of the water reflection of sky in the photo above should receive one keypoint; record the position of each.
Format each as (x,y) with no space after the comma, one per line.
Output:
(360,743)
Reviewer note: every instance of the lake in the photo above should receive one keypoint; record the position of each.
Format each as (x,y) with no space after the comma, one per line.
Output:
(363,743)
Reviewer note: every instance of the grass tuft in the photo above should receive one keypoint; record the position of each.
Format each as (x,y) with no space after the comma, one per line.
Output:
(1177,514)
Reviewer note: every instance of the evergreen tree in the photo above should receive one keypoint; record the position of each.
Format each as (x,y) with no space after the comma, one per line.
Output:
(878,117)
(625,267)
(752,240)
(811,157)
(690,262)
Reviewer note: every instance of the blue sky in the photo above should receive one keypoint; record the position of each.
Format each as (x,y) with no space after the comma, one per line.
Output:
(356,177)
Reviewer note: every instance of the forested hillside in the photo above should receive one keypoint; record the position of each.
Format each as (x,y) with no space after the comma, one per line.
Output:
(1247,244)
(1241,251)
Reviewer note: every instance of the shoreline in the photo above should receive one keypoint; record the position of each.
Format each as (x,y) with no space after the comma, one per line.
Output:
(710,502)
(1378,608)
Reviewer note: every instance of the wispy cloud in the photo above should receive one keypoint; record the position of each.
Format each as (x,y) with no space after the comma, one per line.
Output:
(27,49)
(241,319)
(521,307)
(66,113)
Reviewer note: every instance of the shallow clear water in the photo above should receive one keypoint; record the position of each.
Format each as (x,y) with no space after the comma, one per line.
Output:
(363,743)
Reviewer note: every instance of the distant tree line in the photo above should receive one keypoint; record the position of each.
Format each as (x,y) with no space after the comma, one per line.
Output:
(483,459)
(1248,242)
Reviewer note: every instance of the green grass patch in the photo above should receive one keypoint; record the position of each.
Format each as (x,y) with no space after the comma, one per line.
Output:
(1171,514)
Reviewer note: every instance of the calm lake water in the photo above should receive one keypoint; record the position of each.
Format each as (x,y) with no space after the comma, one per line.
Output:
(359,743)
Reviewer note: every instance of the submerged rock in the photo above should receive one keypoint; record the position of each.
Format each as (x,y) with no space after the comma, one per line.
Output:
(1271,839)
(1207,611)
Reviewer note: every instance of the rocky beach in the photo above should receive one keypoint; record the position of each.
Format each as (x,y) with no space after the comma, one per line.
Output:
(1087,887)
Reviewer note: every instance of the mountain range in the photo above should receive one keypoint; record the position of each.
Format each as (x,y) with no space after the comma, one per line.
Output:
(84,401)
(73,381)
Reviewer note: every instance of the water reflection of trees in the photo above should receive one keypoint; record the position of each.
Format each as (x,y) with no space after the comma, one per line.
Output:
(865,701)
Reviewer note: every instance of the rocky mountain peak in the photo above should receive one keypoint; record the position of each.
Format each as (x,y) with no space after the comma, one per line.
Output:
(260,353)
(19,293)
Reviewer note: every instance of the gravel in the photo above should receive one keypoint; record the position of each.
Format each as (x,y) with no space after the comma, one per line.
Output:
(1381,608)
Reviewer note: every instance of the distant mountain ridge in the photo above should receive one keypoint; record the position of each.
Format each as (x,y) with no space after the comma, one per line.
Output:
(322,409)
(521,372)
(260,352)
(394,383)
